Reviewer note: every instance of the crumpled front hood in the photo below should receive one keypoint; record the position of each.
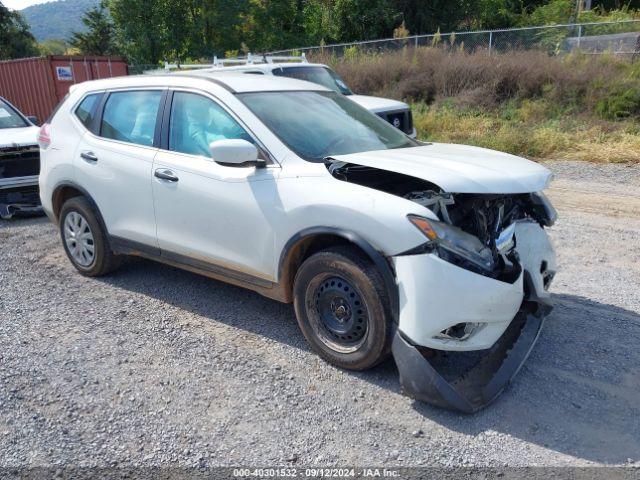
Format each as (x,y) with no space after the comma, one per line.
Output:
(458,168)
(378,104)
(18,136)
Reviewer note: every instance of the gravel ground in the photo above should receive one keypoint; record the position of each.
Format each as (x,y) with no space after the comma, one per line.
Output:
(157,366)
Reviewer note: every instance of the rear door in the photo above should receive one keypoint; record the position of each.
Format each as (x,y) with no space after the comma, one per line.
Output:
(115,160)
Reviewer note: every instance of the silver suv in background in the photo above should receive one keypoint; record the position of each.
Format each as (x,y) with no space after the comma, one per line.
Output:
(395,112)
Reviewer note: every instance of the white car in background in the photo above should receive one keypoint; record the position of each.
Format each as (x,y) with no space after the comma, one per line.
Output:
(19,162)
(384,245)
(396,113)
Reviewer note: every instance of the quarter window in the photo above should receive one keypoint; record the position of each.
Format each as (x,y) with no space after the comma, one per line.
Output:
(131,116)
(86,110)
(196,121)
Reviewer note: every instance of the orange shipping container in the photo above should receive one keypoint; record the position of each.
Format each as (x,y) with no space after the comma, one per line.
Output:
(36,85)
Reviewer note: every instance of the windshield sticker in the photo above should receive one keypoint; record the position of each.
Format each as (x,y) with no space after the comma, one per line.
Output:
(4,113)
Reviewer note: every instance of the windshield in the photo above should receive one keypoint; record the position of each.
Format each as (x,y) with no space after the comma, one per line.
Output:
(321,75)
(9,118)
(316,125)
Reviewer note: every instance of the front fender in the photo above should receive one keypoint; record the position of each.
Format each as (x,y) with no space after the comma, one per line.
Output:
(375,254)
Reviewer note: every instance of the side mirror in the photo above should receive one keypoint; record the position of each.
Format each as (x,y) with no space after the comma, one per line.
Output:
(33,120)
(235,152)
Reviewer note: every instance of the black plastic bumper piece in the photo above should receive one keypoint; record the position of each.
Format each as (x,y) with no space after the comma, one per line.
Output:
(478,386)
(19,203)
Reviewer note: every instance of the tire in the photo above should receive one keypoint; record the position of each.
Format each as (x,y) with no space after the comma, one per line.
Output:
(81,231)
(341,305)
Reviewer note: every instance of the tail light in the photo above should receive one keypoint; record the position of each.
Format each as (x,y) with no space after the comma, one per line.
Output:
(44,137)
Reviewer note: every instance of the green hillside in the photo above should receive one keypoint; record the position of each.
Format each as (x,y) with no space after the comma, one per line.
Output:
(56,20)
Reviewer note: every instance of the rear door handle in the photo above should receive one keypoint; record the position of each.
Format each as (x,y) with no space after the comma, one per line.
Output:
(89,156)
(165,174)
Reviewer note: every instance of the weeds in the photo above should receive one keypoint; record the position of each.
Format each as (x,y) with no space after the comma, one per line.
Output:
(527,103)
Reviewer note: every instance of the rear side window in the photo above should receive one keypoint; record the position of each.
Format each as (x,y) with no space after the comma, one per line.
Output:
(86,110)
(131,116)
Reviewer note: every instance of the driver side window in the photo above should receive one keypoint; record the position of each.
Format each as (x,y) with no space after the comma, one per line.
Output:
(196,121)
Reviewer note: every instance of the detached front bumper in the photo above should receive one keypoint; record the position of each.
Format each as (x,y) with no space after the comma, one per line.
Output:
(478,386)
(468,373)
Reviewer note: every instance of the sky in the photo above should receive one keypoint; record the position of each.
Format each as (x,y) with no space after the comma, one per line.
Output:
(20,4)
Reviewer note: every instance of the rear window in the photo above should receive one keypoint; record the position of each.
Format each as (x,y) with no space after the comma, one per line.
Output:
(131,116)
(320,75)
(87,108)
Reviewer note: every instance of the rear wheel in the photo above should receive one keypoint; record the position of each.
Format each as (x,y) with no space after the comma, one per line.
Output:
(84,240)
(341,305)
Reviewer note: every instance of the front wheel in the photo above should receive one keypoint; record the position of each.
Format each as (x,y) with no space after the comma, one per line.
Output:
(342,308)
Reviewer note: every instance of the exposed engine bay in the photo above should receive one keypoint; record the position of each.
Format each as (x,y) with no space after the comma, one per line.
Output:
(467,323)
(484,224)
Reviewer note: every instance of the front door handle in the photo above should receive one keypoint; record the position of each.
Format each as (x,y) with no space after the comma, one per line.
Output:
(89,157)
(165,174)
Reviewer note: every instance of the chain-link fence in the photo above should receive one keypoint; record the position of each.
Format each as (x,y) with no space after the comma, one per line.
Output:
(619,38)
(139,68)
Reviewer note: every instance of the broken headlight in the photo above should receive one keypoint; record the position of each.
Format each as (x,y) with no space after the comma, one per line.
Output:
(455,240)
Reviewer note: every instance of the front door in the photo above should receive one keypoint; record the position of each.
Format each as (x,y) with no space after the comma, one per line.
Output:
(207,212)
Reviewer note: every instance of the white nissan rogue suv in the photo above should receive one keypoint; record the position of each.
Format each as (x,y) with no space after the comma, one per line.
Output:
(383,244)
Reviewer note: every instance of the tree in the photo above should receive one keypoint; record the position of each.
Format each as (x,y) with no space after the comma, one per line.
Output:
(318,23)
(16,40)
(53,47)
(219,26)
(555,11)
(365,19)
(428,16)
(272,24)
(140,29)
(149,31)
(99,37)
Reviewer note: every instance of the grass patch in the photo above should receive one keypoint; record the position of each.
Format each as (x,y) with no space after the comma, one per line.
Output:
(578,107)
(523,132)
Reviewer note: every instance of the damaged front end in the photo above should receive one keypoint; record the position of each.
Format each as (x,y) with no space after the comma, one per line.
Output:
(474,295)
(468,381)
(19,170)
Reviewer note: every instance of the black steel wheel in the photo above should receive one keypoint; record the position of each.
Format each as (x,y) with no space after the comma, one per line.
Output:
(341,305)
(341,316)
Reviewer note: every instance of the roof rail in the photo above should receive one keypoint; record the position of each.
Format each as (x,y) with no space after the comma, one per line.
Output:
(250,59)
(286,58)
(217,63)
(179,66)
